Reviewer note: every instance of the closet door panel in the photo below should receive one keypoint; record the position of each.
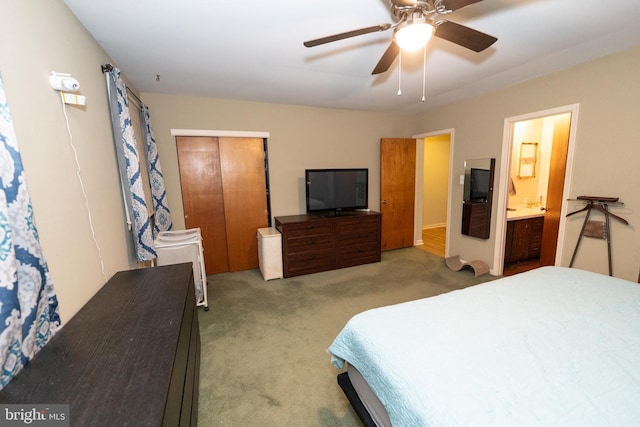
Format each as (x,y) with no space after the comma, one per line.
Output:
(202,197)
(245,198)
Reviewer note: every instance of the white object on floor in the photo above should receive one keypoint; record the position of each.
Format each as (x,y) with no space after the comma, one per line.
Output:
(270,253)
(175,247)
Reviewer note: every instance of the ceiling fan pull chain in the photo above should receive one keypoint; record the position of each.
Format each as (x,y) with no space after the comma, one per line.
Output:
(424,73)
(400,73)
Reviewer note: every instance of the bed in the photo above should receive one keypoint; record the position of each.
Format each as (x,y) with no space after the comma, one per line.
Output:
(550,347)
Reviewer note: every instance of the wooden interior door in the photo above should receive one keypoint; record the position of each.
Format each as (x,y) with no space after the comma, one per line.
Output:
(555,188)
(202,197)
(245,198)
(397,191)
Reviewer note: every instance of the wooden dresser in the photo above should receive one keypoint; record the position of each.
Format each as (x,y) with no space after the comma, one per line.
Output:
(313,242)
(476,219)
(130,356)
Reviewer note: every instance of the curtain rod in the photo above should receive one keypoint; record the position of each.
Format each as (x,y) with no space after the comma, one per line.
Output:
(107,68)
(135,96)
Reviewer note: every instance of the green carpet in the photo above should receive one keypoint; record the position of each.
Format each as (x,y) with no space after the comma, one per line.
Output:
(264,359)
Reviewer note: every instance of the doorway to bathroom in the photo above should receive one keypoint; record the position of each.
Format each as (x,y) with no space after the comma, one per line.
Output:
(537,157)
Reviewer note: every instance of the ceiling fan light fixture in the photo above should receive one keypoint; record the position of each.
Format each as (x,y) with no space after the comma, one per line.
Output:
(414,36)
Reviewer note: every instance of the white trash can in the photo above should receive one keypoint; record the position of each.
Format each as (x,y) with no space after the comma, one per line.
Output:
(270,253)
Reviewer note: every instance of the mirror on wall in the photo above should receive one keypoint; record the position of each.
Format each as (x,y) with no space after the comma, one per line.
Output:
(527,160)
(478,193)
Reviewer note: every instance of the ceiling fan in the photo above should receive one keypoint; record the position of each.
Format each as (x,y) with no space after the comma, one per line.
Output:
(423,19)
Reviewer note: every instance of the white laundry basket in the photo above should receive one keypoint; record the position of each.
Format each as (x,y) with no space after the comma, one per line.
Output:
(174,247)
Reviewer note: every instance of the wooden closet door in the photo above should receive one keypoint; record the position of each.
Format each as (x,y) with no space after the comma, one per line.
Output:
(202,197)
(245,198)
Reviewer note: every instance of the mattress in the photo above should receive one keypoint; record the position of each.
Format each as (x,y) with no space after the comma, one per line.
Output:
(372,404)
(550,347)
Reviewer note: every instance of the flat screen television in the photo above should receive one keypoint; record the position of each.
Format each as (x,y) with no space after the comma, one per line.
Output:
(479,187)
(336,189)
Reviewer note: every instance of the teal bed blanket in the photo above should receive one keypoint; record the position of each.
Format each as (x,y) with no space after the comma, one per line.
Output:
(550,347)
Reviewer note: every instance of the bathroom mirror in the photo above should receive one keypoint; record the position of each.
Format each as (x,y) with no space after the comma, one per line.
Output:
(527,160)
(478,193)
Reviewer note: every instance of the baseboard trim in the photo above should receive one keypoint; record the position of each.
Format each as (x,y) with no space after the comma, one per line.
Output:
(429,227)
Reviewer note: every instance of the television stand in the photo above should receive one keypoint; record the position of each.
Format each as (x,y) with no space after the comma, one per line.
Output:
(314,242)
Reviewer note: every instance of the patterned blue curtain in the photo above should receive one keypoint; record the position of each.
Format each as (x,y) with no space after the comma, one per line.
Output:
(129,164)
(162,216)
(28,304)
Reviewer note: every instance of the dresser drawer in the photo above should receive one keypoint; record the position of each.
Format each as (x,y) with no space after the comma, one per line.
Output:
(358,225)
(354,232)
(357,254)
(305,244)
(358,239)
(307,229)
(309,263)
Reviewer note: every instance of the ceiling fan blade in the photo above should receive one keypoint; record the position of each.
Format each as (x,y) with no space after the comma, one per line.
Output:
(464,36)
(387,59)
(458,4)
(346,35)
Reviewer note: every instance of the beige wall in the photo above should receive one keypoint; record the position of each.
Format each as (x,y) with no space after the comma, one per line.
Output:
(606,152)
(37,37)
(436,180)
(300,138)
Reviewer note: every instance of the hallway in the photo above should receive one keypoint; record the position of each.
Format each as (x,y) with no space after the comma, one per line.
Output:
(434,240)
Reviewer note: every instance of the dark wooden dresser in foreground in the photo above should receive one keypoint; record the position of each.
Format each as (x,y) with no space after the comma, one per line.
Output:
(129,357)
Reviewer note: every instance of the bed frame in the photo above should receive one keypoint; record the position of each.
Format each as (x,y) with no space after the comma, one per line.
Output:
(354,400)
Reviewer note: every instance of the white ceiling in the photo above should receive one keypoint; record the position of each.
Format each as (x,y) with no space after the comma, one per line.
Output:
(252,49)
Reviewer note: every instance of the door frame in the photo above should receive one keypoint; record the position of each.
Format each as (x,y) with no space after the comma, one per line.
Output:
(504,175)
(211,132)
(420,183)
